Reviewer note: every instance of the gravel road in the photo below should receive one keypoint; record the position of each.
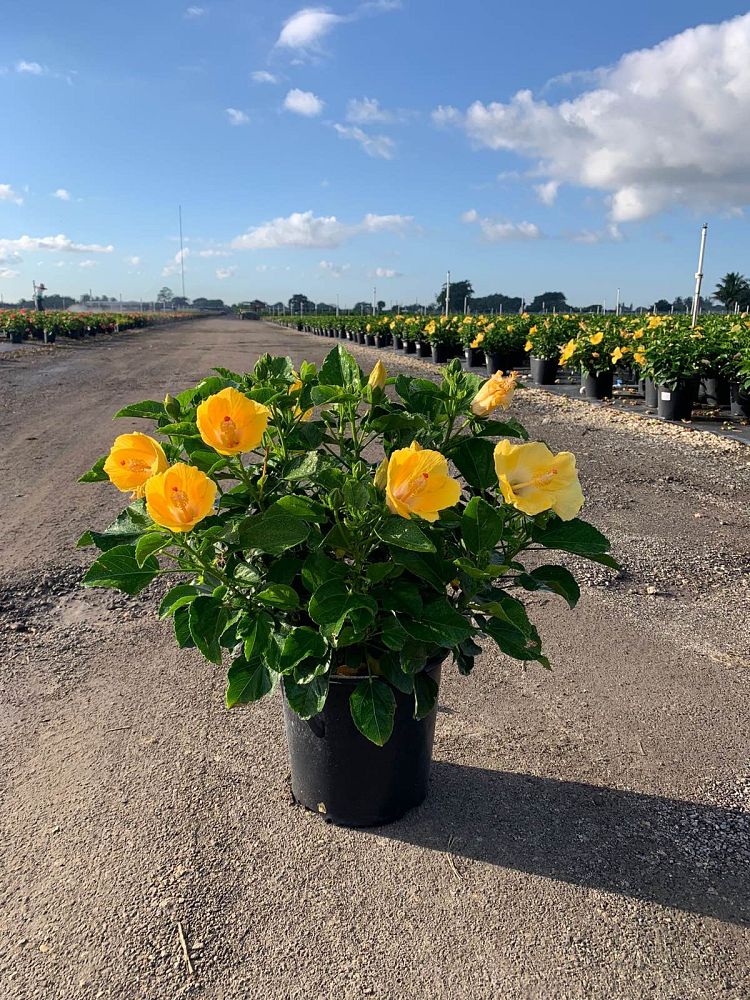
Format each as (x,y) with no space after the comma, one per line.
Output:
(587,835)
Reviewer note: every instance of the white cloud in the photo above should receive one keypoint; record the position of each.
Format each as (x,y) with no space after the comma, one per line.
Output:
(33,68)
(133,261)
(87,263)
(366,111)
(380,146)
(385,272)
(191,13)
(334,270)
(497,232)
(303,229)
(58,244)
(665,126)
(303,102)
(263,76)
(7,272)
(214,253)
(8,194)
(611,234)
(306,28)
(547,192)
(61,194)
(175,265)
(262,268)
(225,272)
(236,117)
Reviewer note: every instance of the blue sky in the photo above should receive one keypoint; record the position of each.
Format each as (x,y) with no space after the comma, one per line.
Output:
(527,147)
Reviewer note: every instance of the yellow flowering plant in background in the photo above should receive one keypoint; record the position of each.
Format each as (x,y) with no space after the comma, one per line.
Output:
(304,524)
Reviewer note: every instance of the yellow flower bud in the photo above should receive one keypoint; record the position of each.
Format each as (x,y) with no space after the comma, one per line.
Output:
(377,376)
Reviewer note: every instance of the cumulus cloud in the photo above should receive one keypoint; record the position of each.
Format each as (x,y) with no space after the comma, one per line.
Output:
(175,265)
(191,13)
(32,68)
(225,272)
(547,192)
(8,194)
(87,263)
(214,253)
(380,146)
(303,229)
(305,30)
(61,194)
(263,76)
(367,111)
(664,126)
(494,231)
(236,117)
(333,270)
(610,234)
(303,102)
(385,272)
(57,244)
(133,261)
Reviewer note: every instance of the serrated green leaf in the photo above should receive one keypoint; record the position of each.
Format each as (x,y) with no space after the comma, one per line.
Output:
(306,700)
(117,569)
(474,459)
(248,681)
(575,536)
(556,579)
(373,709)
(279,595)
(404,534)
(177,597)
(274,533)
(208,619)
(425,694)
(301,643)
(96,473)
(148,409)
(148,545)
(481,526)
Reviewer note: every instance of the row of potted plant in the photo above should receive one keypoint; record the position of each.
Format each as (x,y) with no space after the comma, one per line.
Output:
(27,324)
(677,365)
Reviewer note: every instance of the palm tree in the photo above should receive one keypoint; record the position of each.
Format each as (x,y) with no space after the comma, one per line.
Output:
(733,288)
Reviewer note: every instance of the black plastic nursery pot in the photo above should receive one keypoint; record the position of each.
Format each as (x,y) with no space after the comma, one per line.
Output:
(650,393)
(410,347)
(398,342)
(597,385)
(440,353)
(382,339)
(360,336)
(739,401)
(498,362)
(370,339)
(676,402)
(424,349)
(715,392)
(544,370)
(348,780)
(475,357)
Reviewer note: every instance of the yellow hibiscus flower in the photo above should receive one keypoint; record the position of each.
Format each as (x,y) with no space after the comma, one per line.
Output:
(533,480)
(230,423)
(133,460)
(180,497)
(417,482)
(496,393)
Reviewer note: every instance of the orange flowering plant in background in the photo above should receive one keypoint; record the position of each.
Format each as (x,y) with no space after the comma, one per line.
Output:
(302,524)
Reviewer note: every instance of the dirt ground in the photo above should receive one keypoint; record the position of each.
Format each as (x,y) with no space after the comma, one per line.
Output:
(587,834)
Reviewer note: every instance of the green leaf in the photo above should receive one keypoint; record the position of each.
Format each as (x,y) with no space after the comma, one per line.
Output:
(481,526)
(401,595)
(404,534)
(556,579)
(373,708)
(246,574)
(117,568)
(440,624)
(248,681)
(306,700)
(208,619)
(300,644)
(425,694)
(255,633)
(96,473)
(322,395)
(177,597)
(149,409)
(377,572)
(181,623)
(303,467)
(332,602)
(502,428)
(149,545)
(427,567)
(513,642)
(182,429)
(474,459)
(129,526)
(318,569)
(298,506)
(390,667)
(340,368)
(279,595)
(398,421)
(207,461)
(576,536)
(273,534)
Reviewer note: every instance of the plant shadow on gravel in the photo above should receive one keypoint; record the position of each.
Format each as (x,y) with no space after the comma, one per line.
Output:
(676,853)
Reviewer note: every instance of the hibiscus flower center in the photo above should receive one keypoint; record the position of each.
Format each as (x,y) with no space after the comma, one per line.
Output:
(228,433)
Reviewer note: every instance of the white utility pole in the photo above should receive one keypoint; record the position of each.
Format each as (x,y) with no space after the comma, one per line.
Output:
(699,274)
(617,303)
(374,300)
(448,294)
(182,255)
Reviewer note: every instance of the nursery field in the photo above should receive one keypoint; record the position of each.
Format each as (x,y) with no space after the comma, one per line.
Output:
(587,832)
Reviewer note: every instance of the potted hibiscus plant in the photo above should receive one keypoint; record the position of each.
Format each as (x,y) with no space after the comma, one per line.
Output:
(339,536)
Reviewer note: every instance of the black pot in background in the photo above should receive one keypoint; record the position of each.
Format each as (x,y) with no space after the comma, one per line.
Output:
(440,353)
(597,385)
(715,392)
(650,393)
(398,342)
(382,339)
(676,403)
(475,357)
(544,370)
(360,336)
(370,339)
(338,773)
(498,362)
(410,347)
(424,349)
(739,401)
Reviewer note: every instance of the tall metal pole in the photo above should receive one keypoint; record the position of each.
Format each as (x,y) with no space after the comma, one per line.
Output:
(617,303)
(699,275)
(374,300)
(182,254)
(448,294)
